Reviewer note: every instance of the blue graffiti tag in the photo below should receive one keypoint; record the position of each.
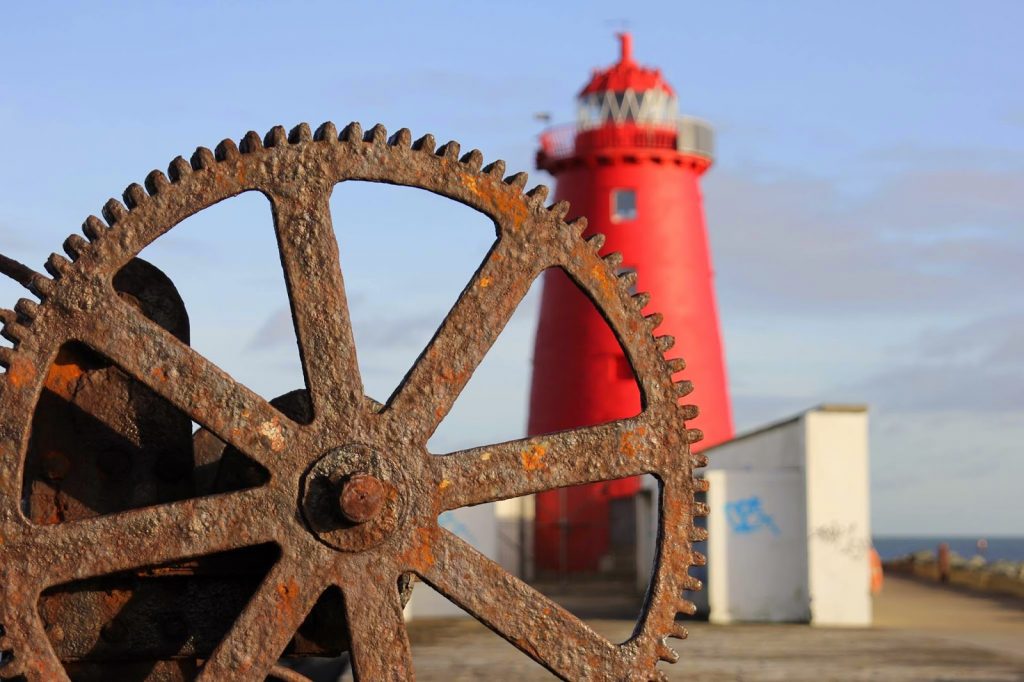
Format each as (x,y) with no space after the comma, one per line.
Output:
(746,516)
(449,521)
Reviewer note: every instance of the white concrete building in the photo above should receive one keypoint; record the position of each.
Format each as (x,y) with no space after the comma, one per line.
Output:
(789,528)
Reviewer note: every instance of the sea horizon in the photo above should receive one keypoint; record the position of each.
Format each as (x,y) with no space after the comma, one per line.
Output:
(1000,547)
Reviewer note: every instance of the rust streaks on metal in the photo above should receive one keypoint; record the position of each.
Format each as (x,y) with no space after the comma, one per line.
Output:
(304,516)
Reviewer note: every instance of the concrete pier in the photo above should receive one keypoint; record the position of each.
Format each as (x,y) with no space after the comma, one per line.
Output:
(920,632)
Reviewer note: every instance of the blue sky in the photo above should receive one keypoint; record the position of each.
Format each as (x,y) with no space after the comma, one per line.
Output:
(865,210)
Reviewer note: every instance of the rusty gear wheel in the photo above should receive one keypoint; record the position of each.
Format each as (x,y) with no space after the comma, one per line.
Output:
(371,463)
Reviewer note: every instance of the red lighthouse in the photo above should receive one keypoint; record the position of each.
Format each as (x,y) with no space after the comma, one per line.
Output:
(632,165)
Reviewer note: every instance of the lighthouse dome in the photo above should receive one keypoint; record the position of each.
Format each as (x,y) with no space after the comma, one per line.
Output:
(627,93)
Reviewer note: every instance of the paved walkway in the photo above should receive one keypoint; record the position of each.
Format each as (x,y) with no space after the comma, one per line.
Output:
(921,633)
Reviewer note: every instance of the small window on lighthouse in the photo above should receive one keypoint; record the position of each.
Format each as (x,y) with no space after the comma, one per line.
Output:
(623,204)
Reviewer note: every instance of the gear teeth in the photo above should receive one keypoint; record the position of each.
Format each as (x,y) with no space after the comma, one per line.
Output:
(11,329)
(690,411)
(203,159)
(694,436)
(26,309)
(275,137)
(353,133)
(326,132)
(665,343)
(628,280)
(6,357)
(449,150)
(14,331)
(698,534)
(473,159)
(403,138)
(667,654)
(495,168)
(641,299)
(684,388)
(596,241)
(687,607)
(701,509)
(701,485)
(676,364)
(559,209)
(94,228)
(654,320)
(179,168)
(425,144)
(518,180)
(250,143)
(539,194)
(698,559)
(678,631)
(658,676)
(692,584)
(134,196)
(41,286)
(156,182)
(57,265)
(113,211)
(699,460)
(299,134)
(75,246)
(578,225)
(378,134)
(614,260)
(226,150)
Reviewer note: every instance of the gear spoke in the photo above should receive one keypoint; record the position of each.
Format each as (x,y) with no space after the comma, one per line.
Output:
(259,636)
(379,641)
(531,465)
(316,289)
(190,382)
(540,628)
(468,331)
(154,535)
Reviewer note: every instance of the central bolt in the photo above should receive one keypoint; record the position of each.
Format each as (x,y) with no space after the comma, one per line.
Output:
(361,497)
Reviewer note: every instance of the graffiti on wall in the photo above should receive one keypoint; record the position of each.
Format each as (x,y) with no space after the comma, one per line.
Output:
(449,521)
(747,516)
(846,538)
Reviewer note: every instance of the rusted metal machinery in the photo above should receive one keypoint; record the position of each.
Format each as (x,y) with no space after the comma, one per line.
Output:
(131,548)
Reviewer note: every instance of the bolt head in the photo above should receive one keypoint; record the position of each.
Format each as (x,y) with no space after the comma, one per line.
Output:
(361,497)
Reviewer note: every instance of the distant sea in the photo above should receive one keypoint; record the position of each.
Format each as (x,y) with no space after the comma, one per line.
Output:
(999,548)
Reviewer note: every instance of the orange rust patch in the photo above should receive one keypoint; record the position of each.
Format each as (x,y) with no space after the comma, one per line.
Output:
(600,273)
(286,593)
(62,377)
(450,375)
(533,458)
(420,557)
(272,434)
(499,200)
(485,282)
(627,443)
(159,374)
(444,484)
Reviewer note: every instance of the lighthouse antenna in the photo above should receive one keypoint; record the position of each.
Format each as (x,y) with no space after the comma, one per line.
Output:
(626,46)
